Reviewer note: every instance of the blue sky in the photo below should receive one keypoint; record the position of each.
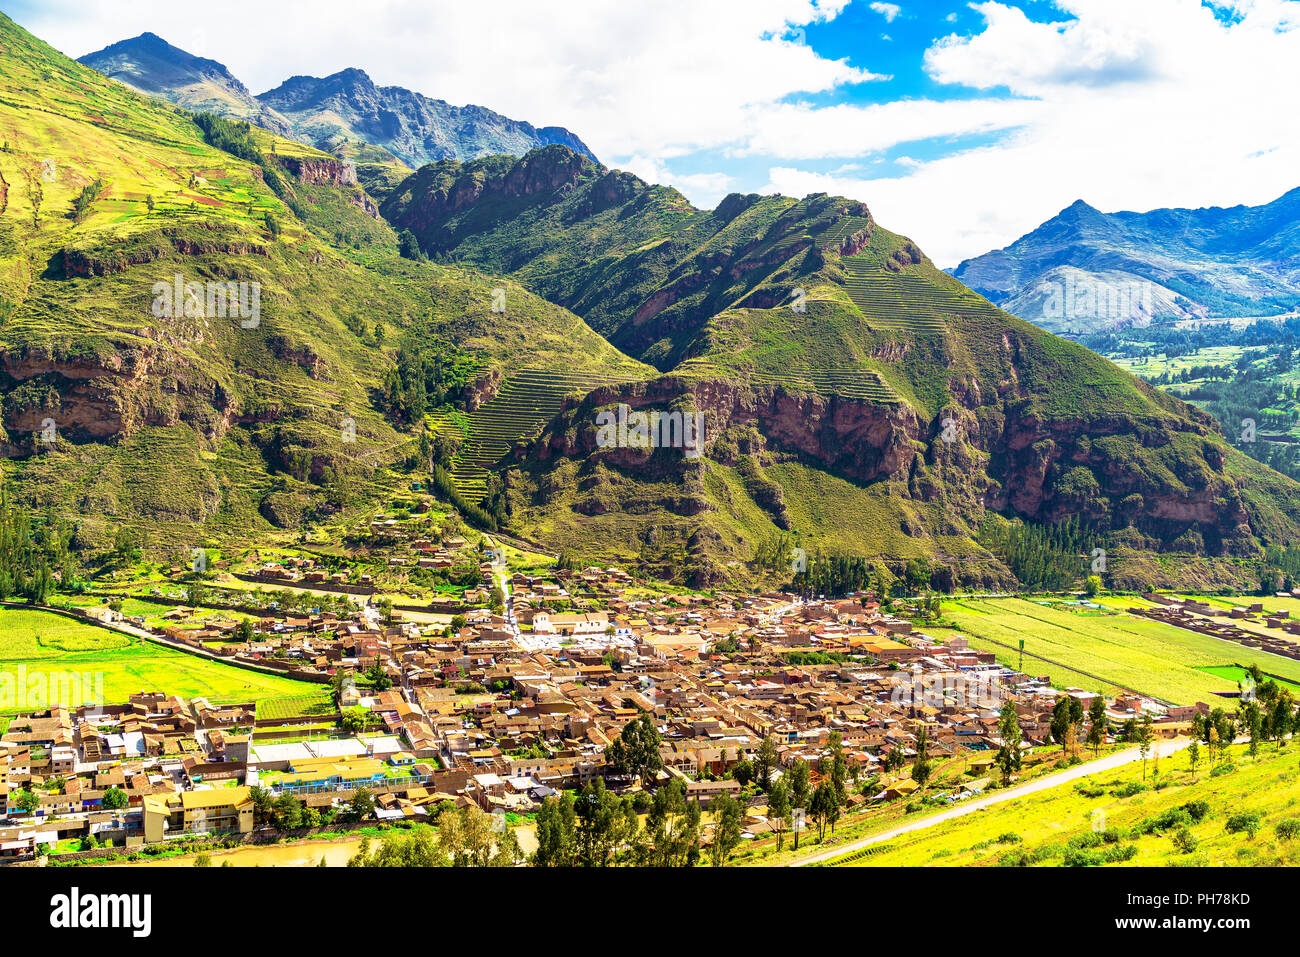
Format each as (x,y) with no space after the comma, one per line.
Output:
(963,125)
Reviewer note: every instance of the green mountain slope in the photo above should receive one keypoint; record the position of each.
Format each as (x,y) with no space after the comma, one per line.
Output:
(203,423)
(854,395)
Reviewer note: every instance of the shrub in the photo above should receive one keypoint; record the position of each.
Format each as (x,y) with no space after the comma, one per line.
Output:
(1185,840)
(1128,790)
(1288,828)
(1197,810)
(1246,821)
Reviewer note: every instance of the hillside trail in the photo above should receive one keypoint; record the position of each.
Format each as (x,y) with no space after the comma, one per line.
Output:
(1087,769)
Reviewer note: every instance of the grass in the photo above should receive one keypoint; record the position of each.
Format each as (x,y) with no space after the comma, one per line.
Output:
(1147,656)
(45,641)
(296,706)
(1040,826)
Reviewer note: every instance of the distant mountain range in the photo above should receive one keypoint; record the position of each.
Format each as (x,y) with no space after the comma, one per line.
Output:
(327,112)
(1088,271)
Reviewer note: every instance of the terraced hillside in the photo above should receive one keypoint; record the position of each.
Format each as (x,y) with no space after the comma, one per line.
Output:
(905,303)
(526,401)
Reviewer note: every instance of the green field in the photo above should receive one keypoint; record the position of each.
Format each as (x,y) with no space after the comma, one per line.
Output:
(1037,829)
(297,706)
(1147,656)
(42,640)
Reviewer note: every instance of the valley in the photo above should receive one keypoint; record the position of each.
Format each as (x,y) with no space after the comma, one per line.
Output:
(387,482)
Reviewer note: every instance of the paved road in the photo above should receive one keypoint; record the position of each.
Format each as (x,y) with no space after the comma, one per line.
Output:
(1101,765)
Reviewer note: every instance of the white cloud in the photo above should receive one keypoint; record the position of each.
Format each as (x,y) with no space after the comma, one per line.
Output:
(794,131)
(1129,104)
(1135,106)
(630,78)
(889,11)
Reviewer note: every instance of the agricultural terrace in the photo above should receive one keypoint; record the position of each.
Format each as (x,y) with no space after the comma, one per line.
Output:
(914,304)
(1137,822)
(526,401)
(43,640)
(1103,648)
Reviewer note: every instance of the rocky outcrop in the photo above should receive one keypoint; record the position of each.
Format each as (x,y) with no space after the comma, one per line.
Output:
(320,170)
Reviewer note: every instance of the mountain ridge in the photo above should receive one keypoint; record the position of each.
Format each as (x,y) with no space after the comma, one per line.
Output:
(325,112)
(1085,271)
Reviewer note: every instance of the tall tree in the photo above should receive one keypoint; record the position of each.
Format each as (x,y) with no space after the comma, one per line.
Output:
(1097,724)
(1145,734)
(1008,757)
(779,810)
(765,760)
(800,795)
(921,766)
(727,816)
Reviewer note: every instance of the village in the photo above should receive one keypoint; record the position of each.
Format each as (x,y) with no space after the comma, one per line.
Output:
(518,697)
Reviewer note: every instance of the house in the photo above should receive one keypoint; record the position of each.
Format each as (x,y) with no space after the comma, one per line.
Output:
(222,811)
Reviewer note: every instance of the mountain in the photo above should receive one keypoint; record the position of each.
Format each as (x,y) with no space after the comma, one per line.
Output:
(152,65)
(856,402)
(1087,271)
(198,422)
(348,106)
(330,112)
(854,396)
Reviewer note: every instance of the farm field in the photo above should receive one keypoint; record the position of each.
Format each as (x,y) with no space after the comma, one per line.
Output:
(1147,656)
(313,704)
(1038,828)
(42,640)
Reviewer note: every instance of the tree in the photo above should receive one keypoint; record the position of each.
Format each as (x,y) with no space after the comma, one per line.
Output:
(727,816)
(1008,757)
(838,768)
(1076,725)
(743,771)
(800,794)
(824,807)
(1097,724)
(1194,756)
(1144,737)
(1279,722)
(779,810)
(360,807)
(465,837)
(635,752)
(26,801)
(353,720)
(556,832)
(244,631)
(921,766)
(416,848)
(378,677)
(115,799)
(764,762)
(1092,585)
(287,813)
(598,824)
(408,246)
